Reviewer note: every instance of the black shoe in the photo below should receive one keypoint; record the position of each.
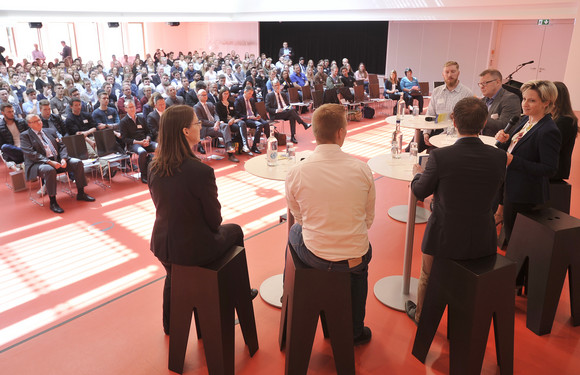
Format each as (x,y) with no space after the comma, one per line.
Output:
(293,139)
(306,126)
(54,207)
(364,337)
(232,158)
(85,197)
(255,150)
(411,308)
(200,149)
(144,180)
(253,293)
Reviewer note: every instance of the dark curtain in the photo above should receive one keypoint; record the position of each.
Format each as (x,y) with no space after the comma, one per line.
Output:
(358,41)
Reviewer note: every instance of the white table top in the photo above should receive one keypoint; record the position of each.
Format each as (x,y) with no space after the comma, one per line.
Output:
(442,140)
(418,122)
(398,169)
(258,166)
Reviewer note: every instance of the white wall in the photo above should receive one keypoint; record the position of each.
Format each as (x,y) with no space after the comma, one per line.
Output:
(426,46)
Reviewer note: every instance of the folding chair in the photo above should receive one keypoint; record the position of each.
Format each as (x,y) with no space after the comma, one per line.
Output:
(108,150)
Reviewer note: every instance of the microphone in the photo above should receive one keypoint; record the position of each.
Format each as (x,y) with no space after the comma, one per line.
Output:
(529,62)
(513,121)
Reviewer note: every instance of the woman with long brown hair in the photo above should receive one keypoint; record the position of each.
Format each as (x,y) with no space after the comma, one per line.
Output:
(567,123)
(188,226)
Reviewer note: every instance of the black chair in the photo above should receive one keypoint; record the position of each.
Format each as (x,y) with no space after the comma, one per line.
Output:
(308,294)
(560,195)
(544,244)
(474,291)
(112,153)
(212,293)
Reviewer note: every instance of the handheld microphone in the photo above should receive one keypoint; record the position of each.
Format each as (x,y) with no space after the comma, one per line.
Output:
(513,121)
(529,62)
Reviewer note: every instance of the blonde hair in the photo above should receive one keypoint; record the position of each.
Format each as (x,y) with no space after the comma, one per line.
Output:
(327,120)
(546,90)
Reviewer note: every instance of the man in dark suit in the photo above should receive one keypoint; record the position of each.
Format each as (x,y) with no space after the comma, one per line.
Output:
(45,156)
(137,137)
(278,106)
(286,52)
(211,125)
(464,179)
(155,115)
(501,104)
(245,106)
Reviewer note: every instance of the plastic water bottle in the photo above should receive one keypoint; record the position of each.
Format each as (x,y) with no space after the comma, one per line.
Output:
(397,141)
(400,108)
(272,150)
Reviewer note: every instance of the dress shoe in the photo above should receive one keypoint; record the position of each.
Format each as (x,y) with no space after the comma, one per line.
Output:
(364,337)
(410,309)
(255,150)
(230,149)
(306,126)
(245,149)
(85,197)
(144,180)
(253,293)
(293,140)
(200,149)
(54,207)
(232,158)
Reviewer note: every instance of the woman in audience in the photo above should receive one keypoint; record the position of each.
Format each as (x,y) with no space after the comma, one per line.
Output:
(310,76)
(44,78)
(392,89)
(77,81)
(188,227)
(532,150)
(150,66)
(567,123)
(268,67)
(285,81)
(362,74)
(226,112)
(33,74)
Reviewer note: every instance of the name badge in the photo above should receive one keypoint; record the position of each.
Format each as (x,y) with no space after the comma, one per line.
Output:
(85,121)
(110,116)
(139,127)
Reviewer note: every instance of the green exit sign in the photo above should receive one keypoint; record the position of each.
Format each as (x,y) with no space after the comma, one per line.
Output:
(543,22)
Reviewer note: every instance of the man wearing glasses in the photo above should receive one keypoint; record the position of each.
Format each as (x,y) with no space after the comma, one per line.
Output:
(501,105)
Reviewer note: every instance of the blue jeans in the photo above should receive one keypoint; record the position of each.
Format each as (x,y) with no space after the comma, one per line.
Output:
(358,275)
(12,153)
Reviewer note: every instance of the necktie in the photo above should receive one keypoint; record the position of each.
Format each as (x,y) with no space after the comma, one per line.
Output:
(281,102)
(207,112)
(48,146)
(488,102)
(249,108)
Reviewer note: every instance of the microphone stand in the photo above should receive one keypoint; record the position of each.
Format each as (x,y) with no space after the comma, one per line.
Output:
(509,77)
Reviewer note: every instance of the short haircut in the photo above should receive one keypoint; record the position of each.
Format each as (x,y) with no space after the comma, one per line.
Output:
(129,101)
(58,85)
(200,85)
(451,62)
(72,90)
(102,93)
(546,90)
(157,97)
(43,102)
(327,121)
(30,91)
(75,100)
(469,115)
(5,105)
(248,88)
(494,73)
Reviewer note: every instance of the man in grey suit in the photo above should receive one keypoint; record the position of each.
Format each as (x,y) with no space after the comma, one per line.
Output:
(45,156)
(211,124)
(501,105)
(464,179)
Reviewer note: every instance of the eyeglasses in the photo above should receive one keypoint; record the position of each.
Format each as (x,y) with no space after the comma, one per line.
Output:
(483,84)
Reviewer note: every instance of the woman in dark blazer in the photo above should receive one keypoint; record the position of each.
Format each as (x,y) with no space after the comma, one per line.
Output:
(532,153)
(188,227)
(567,123)
(226,112)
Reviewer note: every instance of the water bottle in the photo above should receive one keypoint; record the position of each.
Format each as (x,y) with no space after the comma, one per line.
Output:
(397,141)
(413,151)
(400,108)
(290,153)
(272,150)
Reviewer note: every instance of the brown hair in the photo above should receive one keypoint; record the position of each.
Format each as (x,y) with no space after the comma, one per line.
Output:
(562,105)
(326,122)
(469,115)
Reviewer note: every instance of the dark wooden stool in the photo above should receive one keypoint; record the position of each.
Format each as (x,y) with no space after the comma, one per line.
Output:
(545,244)
(212,293)
(560,194)
(308,294)
(475,291)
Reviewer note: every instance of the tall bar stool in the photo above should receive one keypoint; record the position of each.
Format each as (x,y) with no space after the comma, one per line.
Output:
(474,291)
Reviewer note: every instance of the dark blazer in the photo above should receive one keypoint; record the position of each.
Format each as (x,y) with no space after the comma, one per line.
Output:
(281,52)
(464,179)
(5,135)
(568,130)
(202,115)
(34,152)
(153,124)
(224,112)
(211,98)
(272,103)
(134,130)
(55,122)
(506,105)
(240,105)
(188,216)
(535,161)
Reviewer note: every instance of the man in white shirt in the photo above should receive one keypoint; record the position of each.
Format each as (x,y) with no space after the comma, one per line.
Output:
(332,197)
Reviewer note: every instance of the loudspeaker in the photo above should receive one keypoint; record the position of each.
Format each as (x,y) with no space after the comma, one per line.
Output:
(35,25)
(113,24)
(173,23)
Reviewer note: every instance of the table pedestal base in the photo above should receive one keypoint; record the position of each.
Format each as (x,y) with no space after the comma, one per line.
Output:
(271,290)
(400,213)
(389,290)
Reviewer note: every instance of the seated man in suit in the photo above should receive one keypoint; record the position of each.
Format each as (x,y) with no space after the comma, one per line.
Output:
(464,179)
(172,97)
(245,106)
(45,155)
(211,125)
(278,106)
(332,197)
(137,137)
(155,115)
(10,130)
(502,105)
(49,119)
